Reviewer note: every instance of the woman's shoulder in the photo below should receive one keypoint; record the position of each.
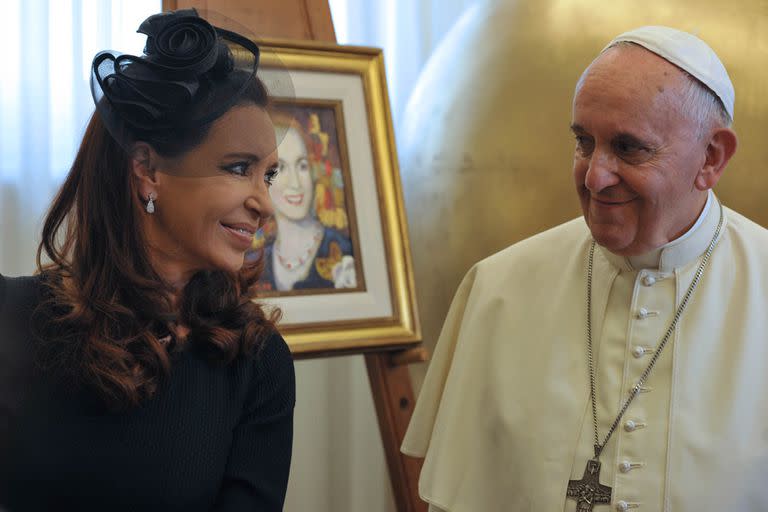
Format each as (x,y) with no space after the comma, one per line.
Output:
(273,354)
(269,355)
(18,295)
(21,285)
(272,382)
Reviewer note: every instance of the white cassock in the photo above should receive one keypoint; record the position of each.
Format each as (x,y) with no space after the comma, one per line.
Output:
(504,416)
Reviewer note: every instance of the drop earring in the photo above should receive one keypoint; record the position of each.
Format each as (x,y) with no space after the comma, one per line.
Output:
(151,203)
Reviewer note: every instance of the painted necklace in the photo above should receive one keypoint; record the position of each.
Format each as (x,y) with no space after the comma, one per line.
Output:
(304,254)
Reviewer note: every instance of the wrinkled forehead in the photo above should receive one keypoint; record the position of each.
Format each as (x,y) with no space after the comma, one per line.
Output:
(632,83)
(630,66)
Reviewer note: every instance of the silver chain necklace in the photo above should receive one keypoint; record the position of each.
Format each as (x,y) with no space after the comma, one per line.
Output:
(588,491)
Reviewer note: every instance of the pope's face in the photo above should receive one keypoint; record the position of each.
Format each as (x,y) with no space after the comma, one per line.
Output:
(637,156)
(292,189)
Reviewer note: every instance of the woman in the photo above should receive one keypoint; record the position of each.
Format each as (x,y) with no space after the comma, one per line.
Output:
(138,374)
(309,250)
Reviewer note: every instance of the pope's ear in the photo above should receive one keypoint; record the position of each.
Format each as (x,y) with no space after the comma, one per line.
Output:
(144,161)
(721,147)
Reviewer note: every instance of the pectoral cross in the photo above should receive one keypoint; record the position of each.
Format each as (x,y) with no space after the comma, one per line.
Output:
(588,491)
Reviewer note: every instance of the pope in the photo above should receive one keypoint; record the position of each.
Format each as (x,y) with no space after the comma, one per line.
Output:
(617,361)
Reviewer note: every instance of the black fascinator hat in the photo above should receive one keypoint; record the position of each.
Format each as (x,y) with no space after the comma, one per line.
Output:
(187,78)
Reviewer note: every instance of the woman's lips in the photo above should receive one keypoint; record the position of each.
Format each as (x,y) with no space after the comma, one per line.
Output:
(243,238)
(294,199)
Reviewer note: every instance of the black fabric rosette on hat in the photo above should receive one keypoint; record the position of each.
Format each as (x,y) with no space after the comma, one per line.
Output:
(169,88)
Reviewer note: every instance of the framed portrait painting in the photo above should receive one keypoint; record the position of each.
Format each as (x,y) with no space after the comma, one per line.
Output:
(336,254)
(312,244)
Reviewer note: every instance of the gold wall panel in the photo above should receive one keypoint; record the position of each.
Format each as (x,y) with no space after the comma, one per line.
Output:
(485,147)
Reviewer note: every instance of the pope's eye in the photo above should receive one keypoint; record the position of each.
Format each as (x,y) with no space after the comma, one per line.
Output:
(584,144)
(632,151)
(627,147)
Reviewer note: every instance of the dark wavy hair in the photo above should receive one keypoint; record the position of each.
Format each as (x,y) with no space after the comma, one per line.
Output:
(104,303)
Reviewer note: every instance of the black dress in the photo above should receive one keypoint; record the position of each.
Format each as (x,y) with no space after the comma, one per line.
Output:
(211,438)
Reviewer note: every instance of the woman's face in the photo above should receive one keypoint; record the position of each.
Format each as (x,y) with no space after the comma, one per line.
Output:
(292,188)
(211,200)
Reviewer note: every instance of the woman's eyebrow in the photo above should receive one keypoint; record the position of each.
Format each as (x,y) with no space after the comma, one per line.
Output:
(253,158)
(245,155)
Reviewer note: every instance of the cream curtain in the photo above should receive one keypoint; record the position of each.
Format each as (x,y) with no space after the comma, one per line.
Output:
(45,103)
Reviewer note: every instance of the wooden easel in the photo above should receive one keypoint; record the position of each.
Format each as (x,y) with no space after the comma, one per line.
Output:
(387,369)
(394,401)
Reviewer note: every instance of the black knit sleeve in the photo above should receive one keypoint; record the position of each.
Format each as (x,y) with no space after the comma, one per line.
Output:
(256,476)
(2,298)
(18,298)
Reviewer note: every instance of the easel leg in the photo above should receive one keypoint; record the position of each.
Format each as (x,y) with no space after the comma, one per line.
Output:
(394,400)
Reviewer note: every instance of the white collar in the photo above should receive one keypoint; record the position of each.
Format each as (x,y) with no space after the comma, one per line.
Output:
(680,251)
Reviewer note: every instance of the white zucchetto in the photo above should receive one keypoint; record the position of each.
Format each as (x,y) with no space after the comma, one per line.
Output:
(687,52)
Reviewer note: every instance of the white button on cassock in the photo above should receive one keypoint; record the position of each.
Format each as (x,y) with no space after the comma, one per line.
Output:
(630,426)
(638,352)
(626,466)
(622,506)
(649,280)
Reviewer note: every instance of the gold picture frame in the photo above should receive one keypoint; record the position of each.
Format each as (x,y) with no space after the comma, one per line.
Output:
(384,315)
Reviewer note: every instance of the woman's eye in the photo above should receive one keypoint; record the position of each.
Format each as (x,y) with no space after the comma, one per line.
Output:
(271,175)
(238,168)
(303,165)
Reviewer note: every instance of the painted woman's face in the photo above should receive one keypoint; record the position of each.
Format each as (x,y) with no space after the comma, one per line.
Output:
(211,200)
(292,189)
